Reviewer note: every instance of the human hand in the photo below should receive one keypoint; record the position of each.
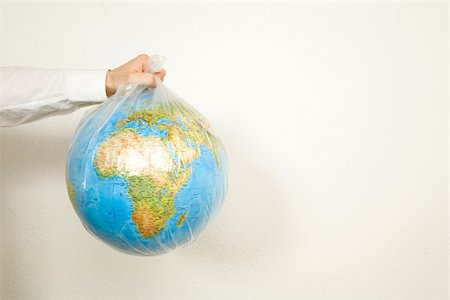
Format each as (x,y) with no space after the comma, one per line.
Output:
(131,73)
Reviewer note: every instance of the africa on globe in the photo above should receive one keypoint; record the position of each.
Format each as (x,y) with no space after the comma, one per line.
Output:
(144,173)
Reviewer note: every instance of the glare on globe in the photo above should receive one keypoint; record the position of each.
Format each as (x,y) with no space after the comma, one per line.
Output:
(144,175)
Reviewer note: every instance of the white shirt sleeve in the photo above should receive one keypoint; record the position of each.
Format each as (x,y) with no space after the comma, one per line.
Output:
(29,94)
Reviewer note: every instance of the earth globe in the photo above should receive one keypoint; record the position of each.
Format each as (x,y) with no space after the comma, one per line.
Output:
(144,172)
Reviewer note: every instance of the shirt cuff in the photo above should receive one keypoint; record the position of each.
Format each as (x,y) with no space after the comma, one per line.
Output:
(86,86)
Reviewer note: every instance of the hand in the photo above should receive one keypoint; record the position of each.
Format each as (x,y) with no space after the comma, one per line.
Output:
(131,72)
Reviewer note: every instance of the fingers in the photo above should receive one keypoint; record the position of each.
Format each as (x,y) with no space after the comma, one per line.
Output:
(161,74)
(142,57)
(146,79)
(132,72)
(134,65)
(138,63)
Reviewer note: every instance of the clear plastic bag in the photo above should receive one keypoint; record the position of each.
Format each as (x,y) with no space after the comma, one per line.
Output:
(145,174)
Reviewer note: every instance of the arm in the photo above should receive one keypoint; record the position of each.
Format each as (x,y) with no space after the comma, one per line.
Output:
(29,94)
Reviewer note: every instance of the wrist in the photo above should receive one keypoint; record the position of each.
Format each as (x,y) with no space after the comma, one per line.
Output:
(110,83)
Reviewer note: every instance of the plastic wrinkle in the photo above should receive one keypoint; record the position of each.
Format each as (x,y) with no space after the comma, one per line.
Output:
(144,171)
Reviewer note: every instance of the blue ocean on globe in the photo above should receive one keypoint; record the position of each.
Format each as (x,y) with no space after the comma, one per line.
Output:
(144,176)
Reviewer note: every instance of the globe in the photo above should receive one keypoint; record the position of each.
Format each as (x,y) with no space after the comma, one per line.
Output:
(145,175)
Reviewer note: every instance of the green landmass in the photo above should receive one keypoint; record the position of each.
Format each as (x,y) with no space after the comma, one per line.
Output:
(71,192)
(182,218)
(153,196)
(194,132)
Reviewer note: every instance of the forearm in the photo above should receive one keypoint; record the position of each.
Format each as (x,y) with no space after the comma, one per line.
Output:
(29,94)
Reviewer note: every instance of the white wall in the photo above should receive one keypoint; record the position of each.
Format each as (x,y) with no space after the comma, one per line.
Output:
(335,120)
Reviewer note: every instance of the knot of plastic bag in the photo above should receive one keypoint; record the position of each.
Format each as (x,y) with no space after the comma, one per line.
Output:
(154,64)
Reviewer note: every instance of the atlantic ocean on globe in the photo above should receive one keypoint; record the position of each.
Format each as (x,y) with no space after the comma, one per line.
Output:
(145,174)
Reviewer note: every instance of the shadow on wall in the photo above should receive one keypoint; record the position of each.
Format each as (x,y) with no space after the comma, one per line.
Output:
(246,232)
(32,180)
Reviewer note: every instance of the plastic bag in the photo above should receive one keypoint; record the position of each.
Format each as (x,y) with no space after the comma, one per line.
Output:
(145,174)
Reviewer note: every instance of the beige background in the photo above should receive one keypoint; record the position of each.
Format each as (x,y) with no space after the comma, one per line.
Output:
(335,121)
